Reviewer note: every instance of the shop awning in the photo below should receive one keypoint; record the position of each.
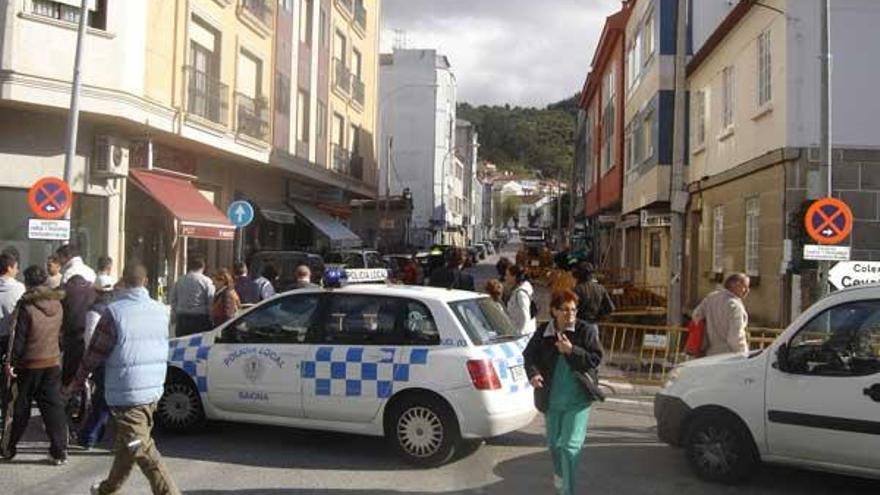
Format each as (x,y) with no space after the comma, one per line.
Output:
(277,212)
(340,236)
(198,217)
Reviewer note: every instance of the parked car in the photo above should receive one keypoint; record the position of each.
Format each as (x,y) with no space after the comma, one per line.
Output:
(426,368)
(355,258)
(811,399)
(286,263)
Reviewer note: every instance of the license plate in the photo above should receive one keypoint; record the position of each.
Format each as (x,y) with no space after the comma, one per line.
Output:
(518,372)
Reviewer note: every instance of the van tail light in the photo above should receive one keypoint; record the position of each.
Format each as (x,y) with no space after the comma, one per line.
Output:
(483,374)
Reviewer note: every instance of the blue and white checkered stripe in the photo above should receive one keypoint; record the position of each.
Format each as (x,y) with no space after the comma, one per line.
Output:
(504,356)
(191,355)
(342,371)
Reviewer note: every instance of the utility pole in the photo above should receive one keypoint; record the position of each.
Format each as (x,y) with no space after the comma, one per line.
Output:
(677,192)
(825,153)
(73,113)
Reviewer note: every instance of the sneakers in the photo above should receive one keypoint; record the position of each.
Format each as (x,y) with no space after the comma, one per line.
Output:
(557,483)
(57,461)
(95,489)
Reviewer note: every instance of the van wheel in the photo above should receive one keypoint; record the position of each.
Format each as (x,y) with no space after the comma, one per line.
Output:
(423,430)
(720,449)
(180,408)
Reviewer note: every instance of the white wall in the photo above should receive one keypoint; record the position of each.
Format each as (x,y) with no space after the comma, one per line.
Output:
(706,15)
(854,38)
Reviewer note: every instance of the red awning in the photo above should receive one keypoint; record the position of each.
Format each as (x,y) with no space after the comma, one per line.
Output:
(197,216)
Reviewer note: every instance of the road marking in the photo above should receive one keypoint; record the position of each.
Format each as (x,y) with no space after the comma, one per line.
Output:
(629,401)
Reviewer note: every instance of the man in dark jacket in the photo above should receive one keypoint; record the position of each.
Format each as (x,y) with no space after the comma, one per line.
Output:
(594,303)
(451,276)
(248,291)
(79,295)
(34,364)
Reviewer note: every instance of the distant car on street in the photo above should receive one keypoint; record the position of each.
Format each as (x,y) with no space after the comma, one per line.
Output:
(811,399)
(355,258)
(424,367)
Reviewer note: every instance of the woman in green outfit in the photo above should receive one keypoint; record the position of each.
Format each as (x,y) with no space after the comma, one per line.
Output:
(559,393)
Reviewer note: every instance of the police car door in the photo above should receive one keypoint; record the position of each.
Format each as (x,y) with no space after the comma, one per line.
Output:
(254,367)
(352,368)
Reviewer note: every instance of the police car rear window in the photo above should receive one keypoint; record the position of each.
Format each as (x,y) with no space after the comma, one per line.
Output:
(484,321)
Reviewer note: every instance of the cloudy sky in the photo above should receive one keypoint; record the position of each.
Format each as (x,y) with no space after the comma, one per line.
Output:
(522,52)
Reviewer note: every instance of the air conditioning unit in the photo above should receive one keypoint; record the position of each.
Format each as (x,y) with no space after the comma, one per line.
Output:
(111,157)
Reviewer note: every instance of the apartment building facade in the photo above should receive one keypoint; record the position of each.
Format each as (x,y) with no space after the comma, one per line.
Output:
(417,121)
(754,90)
(186,107)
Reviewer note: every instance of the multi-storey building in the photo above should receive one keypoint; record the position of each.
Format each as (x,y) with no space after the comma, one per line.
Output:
(186,106)
(466,149)
(755,130)
(601,148)
(417,122)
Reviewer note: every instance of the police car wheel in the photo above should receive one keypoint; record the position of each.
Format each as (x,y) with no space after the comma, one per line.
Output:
(180,408)
(423,430)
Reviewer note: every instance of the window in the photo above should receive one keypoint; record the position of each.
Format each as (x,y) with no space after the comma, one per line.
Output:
(699,106)
(631,64)
(648,40)
(718,239)
(484,321)
(302,116)
(764,69)
(356,61)
(628,151)
(249,77)
(321,127)
(338,129)
(656,249)
(69,10)
(284,321)
(323,28)
(354,139)
(753,251)
(374,320)
(608,157)
(305,21)
(339,47)
(282,93)
(647,132)
(608,85)
(728,88)
(841,341)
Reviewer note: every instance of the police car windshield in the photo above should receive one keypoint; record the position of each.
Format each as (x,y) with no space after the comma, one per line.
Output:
(484,321)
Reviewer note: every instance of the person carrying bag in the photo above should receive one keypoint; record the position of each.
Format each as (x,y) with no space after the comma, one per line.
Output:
(561,361)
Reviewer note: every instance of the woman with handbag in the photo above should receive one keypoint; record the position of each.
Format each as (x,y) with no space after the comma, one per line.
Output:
(561,360)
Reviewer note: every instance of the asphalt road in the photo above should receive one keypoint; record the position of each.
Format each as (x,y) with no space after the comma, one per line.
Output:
(622,456)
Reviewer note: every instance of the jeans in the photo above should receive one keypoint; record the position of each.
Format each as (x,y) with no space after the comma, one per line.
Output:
(93,428)
(44,385)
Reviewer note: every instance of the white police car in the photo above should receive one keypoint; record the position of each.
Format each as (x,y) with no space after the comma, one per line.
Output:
(424,367)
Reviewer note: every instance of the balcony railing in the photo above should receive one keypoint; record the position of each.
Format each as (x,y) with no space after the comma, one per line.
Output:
(357,90)
(253,117)
(347,5)
(341,159)
(261,9)
(342,76)
(207,97)
(360,14)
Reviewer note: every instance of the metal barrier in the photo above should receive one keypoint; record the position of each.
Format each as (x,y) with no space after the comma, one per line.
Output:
(646,353)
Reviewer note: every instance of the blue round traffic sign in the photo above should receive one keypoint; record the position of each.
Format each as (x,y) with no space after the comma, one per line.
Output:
(240,213)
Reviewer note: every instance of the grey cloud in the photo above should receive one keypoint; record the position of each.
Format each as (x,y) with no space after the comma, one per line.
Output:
(522,52)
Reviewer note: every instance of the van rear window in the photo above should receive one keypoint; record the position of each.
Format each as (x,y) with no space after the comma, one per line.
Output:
(484,321)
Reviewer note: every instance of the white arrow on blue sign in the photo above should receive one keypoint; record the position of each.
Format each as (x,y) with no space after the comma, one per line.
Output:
(240,213)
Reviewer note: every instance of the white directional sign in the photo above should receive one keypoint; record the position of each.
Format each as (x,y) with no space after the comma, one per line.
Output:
(821,252)
(853,273)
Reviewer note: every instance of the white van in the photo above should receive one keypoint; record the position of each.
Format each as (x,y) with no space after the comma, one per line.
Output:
(811,399)
(424,367)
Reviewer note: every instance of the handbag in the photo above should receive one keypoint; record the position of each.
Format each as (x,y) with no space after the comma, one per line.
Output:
(590,381)
(696,338)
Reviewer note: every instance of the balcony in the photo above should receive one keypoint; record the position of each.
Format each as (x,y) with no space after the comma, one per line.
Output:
(207,97)
(357,90)
(341,76)
(261,9)
(341,159)
(347,6)
(253,117)
(360,15)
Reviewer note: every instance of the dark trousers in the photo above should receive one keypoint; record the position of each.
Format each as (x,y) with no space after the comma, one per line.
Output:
(44,386)
(4,343)
(99,414)
(190,324)
(73,351)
